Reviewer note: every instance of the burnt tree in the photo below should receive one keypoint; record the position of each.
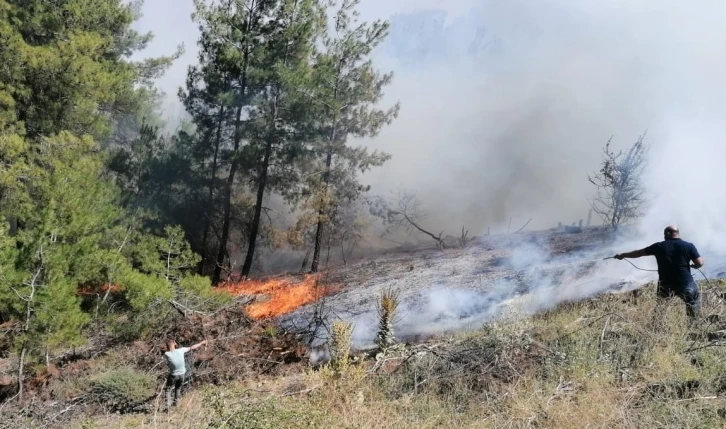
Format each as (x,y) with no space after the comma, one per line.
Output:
(619,196)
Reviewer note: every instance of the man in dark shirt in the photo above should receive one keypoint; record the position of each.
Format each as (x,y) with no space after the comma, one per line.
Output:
(674,257)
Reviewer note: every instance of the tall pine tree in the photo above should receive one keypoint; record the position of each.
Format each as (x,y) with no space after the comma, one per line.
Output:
(280,117)
(238,29)
(347,89)
(208,97)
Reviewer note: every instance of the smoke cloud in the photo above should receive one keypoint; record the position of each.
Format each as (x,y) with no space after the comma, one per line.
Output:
(511,126)
(506,105)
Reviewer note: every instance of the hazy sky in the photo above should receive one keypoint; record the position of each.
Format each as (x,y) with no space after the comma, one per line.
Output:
(514,130)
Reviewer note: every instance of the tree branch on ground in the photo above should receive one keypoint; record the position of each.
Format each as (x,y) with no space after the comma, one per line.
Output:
(523,226)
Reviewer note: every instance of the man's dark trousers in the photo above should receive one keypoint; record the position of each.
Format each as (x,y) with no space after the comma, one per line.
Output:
(688,293)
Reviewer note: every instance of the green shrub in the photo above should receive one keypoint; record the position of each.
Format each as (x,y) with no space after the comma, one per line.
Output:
(341,341)
(122,389)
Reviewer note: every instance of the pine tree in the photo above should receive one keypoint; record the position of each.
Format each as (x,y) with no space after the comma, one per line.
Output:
(208,97)
(65,82)
(346,91)
(278,128)
(65,211)
(239,29)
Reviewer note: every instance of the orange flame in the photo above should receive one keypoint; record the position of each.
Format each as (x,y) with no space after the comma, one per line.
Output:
(285,294)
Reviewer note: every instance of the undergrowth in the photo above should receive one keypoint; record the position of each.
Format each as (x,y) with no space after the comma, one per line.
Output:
(613,361)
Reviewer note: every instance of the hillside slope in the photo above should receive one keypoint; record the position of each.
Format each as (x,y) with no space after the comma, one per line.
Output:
(611,361)
(524,330)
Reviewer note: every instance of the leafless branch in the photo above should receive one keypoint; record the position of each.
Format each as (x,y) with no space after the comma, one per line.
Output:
(620,196)
(406,214)
(524,226)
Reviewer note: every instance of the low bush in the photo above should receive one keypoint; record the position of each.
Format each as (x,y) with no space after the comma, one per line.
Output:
(122,389)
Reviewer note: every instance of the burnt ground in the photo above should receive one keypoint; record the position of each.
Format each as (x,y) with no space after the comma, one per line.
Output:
(456,288)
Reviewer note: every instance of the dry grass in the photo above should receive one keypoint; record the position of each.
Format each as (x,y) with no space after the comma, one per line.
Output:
(602,363)
(342,334)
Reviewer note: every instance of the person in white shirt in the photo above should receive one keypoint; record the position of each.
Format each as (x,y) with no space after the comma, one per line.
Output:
(177,367)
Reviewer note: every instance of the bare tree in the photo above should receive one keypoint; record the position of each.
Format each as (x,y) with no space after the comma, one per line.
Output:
(619,197)
(405,212)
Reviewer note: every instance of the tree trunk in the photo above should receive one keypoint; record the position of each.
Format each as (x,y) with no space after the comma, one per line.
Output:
(227,212)
(326,176)
(212,176)
(20,373)
(321,213)
(327,254)
(235,161)
(258,210)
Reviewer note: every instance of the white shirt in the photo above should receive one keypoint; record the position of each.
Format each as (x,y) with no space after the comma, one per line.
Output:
(175,360)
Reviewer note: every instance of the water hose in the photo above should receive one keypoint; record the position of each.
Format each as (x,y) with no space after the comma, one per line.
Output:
(711,286)
(635,266)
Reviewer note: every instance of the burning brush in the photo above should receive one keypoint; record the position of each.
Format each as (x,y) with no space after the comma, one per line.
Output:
(286,293)
(386,312)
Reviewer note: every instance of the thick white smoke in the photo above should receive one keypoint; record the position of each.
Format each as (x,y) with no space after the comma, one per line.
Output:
(513,127)
(514,131)
(507,104)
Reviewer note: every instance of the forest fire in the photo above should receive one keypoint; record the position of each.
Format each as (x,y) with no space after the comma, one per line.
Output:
(285,294)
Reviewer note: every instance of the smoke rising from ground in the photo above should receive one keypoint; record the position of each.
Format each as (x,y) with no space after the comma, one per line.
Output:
(540,282)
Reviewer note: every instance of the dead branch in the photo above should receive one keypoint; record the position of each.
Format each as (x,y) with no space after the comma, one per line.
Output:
(183,310)
(523,226)
(419,228)
(407,214)
(464,239)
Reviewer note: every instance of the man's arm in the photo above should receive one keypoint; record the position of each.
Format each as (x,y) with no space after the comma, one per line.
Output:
(696,258)
(634,254)
(196,346)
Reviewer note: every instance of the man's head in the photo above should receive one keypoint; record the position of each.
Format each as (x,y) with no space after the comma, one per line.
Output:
(170,344)
(670,232)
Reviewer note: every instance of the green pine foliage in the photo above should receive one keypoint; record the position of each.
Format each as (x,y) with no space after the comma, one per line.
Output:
(110,224)
(346,89)
(66,233)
